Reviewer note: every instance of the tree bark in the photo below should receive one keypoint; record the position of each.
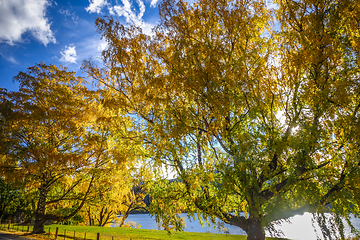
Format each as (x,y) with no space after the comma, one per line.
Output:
(252,226)
(40,212)
(255,229)
(89,216)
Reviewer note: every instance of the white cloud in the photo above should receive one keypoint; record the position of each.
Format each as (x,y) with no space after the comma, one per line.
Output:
(132,10)
(147,28)
(128,11)
(68,54)
(96,6)
(20,16)
(153,3)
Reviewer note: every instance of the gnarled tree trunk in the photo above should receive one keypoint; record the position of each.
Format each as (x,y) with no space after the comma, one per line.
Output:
(252,226)
(255,229)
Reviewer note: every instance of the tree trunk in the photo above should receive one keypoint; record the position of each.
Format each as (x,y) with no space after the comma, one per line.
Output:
(89,216)
(40,212)
(252,226)
(255,229)
(122,221)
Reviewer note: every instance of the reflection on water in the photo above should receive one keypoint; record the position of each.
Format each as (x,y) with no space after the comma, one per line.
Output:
(299,228)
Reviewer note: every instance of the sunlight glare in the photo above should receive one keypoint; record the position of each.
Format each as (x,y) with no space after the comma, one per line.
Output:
(300,228)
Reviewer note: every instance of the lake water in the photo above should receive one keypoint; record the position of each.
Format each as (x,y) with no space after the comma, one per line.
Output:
(299,228)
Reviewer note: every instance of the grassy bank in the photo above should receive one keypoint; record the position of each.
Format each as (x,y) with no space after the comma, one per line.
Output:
(67,232)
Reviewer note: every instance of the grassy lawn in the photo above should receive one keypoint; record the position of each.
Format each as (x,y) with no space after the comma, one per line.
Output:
(110,233)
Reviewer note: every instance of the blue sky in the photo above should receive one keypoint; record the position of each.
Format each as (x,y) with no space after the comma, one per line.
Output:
(60,32)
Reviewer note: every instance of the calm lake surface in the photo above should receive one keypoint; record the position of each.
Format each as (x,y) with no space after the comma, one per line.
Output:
(299,228)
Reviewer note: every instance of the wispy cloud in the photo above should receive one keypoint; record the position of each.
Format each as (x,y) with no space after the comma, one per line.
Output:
(87,48)
(8,58)
(96,6)
(67,14)
(20,16)
(68,54)
(13,60)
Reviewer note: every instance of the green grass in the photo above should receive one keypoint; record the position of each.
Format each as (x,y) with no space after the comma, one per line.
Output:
(111,233)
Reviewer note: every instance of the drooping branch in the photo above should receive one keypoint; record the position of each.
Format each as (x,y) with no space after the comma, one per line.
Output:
(75,211)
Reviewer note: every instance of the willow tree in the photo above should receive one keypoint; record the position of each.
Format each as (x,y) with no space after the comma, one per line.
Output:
(256,109)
